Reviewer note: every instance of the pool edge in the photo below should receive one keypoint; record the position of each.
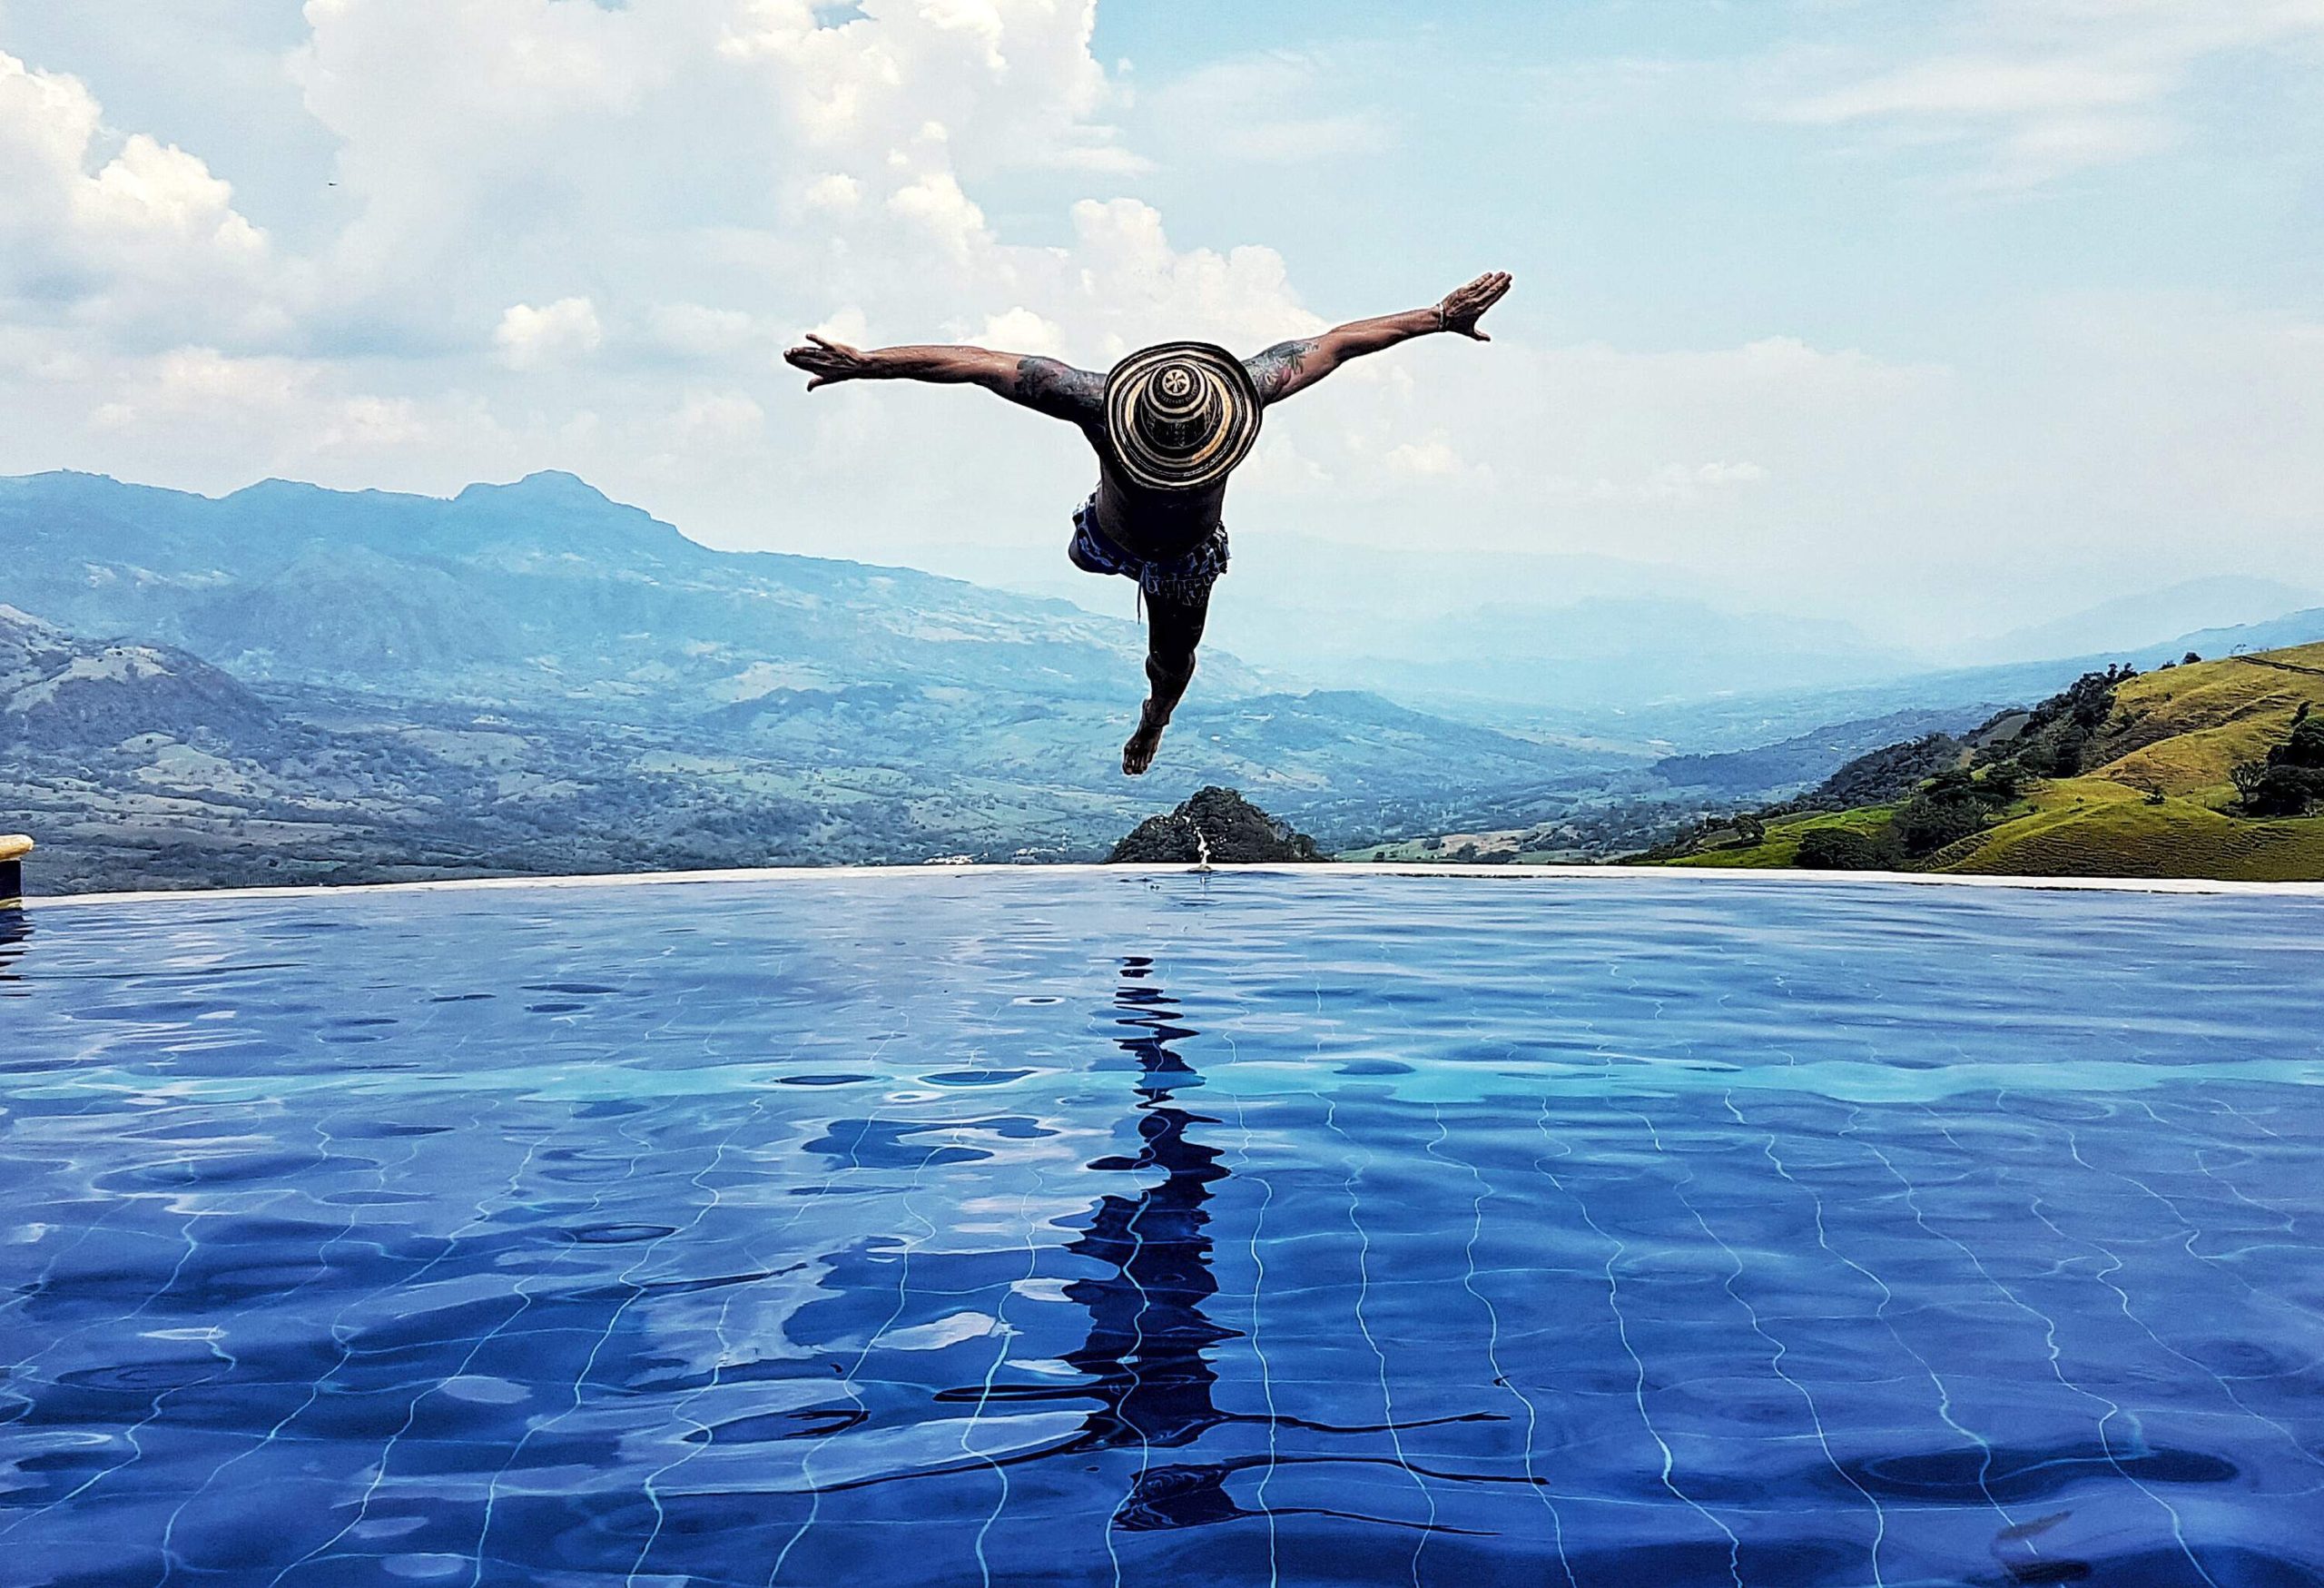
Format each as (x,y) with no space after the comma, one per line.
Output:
(1708,875)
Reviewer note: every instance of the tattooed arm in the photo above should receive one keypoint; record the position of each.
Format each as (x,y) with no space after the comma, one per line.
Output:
(1044,385)
(1294,366)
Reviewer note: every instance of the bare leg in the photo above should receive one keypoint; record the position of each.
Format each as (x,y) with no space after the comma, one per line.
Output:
(1174,628)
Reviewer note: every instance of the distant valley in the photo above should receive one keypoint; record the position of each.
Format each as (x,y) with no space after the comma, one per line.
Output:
(295,684)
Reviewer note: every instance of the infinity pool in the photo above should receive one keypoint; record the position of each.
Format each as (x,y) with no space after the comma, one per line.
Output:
(1070,1228)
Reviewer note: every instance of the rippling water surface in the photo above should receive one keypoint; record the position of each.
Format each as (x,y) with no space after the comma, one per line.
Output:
(1072,1228)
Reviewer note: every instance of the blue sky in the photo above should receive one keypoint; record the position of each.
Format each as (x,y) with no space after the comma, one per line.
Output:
(1837,306)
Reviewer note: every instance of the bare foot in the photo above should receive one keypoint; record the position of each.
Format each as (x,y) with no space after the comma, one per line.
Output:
(1138,754)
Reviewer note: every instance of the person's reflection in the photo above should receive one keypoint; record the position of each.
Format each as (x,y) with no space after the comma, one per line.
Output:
(1145,1355)
(1146,1358)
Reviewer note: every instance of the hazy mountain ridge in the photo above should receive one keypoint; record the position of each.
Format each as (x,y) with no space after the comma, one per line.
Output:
(1771,770)
(1559,656)
(1739,721)
(541,589)
(2148,618)
(532,679)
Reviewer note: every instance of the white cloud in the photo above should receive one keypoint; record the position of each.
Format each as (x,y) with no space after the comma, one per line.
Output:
(834,191)
(698,333)
(1967,86)
(936,205)
(2045,88)
(1270,109)
(846,324)
(652,198)
(202,379)
(1432,458)
(1134,287)
(1680,484)
(530,338)
(831,154)
(1279,468)
(149,236)
(717,418)
(373,424)
(1021,330)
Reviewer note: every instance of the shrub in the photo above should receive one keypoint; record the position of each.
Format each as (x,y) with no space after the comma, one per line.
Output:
(2291,778)
(2304,746)
(1950,806)
(2056,738)
(2059,755)
(1842,849)
(1927,824)
(1883,774)
(2280,790)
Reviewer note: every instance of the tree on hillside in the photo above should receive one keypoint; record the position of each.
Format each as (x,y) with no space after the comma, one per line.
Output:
(2291,778)
(2054,739)
(1844,849)
(2001,783)
(1880,775)
(2304,747)
(1951,807)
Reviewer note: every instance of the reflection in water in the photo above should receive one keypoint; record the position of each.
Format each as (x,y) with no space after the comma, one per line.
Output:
(15,929)
(1148,1334)
(1146,1359)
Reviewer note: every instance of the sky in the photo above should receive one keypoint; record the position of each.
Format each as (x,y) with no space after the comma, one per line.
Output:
(1945,317)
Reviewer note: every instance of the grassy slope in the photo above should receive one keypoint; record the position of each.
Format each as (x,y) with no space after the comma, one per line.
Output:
(1781,845)
(2177,731)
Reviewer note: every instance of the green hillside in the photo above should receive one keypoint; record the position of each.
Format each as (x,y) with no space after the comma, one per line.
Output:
(2133,776)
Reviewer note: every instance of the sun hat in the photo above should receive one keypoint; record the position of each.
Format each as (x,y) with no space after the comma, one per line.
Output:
(1180,415)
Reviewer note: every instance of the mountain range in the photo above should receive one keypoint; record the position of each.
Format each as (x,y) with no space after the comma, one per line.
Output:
(295,682)
(1631,648)
(2192,608)
(532,678)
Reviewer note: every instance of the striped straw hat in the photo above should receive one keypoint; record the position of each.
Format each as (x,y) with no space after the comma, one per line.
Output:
(1180,415)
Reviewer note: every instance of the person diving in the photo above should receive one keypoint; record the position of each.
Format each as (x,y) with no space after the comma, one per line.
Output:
(1168,423)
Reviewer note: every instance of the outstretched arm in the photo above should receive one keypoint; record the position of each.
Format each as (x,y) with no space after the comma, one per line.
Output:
(1044,385)
(1294,366)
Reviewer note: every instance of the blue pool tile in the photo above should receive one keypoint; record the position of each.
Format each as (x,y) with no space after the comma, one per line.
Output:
(975,1230)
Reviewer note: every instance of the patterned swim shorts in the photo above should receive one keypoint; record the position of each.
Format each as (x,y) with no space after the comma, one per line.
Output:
(1184,580)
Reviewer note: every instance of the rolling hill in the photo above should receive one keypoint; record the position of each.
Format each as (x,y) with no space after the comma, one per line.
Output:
(2129,777)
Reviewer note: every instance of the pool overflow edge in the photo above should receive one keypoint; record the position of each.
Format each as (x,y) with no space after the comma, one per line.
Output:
(1704,876)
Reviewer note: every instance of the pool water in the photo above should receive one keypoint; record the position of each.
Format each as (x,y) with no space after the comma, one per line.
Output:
(1107,1228)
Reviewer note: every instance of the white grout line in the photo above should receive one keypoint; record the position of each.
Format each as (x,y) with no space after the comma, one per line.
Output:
(775,875)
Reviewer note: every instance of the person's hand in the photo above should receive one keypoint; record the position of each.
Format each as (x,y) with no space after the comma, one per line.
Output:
(828,360)
(1463,306)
